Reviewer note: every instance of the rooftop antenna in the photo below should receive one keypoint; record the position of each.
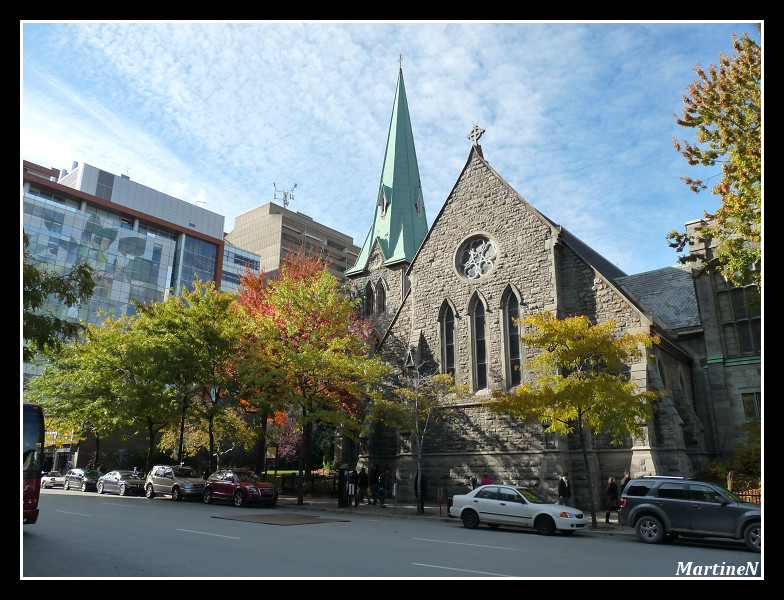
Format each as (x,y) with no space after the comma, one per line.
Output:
(288,195)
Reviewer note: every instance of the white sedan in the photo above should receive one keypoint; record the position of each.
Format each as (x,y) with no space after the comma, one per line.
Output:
(510,505)
(52,479)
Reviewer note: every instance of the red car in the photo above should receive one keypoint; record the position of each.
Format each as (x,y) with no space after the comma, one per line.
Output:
(241,486)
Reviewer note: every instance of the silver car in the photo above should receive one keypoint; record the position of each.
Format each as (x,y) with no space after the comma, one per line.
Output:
(121,482)
(498,505)
(52,479)
(176,481)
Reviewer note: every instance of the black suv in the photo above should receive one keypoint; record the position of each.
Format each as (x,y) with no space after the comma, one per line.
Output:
(660,506)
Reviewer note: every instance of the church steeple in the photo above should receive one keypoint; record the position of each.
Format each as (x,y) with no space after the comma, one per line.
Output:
(399,224)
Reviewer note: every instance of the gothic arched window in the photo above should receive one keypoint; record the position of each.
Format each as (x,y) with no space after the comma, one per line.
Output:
(447,329)
(479,344)
(369,302)
(514,348)
(381,298)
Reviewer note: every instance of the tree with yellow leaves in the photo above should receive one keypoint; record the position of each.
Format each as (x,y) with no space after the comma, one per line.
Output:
(581,382)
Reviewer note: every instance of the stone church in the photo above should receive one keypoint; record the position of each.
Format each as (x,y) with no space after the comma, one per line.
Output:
(445,297)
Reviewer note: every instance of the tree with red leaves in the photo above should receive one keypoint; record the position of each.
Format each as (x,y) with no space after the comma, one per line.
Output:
(305,350)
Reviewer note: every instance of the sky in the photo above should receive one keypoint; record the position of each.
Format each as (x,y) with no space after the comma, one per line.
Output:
(579,117)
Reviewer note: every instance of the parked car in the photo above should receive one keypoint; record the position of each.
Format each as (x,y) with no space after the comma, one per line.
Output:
(498,505)
(121,482)
(81,479)
(241,486)
(658,507)
(52,479)
(176,481)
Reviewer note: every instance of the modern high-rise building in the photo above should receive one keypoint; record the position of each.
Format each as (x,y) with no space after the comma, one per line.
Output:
(272,232)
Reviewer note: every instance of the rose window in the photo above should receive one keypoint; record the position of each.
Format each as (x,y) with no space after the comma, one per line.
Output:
(476,258)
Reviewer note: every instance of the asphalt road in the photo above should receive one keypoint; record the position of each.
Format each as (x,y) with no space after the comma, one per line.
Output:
(84,535)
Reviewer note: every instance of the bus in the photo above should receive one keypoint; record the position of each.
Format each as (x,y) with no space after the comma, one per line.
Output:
(32,460)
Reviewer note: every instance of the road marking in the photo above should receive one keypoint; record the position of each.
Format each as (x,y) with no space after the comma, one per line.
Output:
(461,570)
(465,544)
(65,512)
(212,534)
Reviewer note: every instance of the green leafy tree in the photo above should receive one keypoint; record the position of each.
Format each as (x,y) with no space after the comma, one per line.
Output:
(418,405)
(42,329)
(581,382)
(724,107)
(204,329)
(108,380)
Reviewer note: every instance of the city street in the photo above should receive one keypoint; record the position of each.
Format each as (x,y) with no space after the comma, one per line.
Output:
(89,535)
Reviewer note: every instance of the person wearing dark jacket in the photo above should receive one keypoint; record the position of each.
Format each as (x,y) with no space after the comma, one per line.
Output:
(564,490)
(612,498)
(362,485)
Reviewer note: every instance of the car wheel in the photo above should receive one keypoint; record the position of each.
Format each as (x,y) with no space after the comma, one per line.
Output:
(175,494)
(650,530)
(544,525)
(239,499)
(43,485)
(121,490)
(84,486)
(66,486)
(207,496)
(470,519)
(752,535)
(100,487)
(149,492)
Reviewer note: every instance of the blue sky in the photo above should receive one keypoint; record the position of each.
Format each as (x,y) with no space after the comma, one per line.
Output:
(578,117)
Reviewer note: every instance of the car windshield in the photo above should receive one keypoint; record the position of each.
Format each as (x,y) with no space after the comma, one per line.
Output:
(184,472)
(130,474)
(245,476)
(53,474)
(532,496)
(91,473)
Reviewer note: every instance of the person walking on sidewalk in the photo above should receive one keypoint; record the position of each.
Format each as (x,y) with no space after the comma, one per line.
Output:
(564,490)
(362,486)
(374,484)
(383,485)
(612,498)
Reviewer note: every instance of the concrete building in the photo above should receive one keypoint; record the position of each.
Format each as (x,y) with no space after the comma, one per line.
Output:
(272,232)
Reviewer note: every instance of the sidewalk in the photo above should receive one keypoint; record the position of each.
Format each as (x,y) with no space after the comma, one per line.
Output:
(408,511)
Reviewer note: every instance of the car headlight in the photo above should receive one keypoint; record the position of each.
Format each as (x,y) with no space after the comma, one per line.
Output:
(567,515)
(252,489)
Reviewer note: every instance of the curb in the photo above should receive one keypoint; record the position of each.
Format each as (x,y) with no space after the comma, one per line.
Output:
(408,511)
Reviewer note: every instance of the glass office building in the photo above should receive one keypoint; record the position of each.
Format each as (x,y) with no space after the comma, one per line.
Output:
(140,242)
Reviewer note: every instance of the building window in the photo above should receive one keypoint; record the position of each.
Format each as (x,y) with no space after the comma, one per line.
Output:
(476,257)
(369,302)
(479,345)
(740,318)
(513,344)
(447,326)
(381,299)
(751,405)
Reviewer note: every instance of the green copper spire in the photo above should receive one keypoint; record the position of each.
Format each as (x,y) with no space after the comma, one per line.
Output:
(400,223)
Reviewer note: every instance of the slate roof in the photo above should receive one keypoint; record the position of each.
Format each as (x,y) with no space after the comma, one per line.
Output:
(669,293)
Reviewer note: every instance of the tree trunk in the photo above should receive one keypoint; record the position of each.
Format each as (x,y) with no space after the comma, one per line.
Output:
(588,476)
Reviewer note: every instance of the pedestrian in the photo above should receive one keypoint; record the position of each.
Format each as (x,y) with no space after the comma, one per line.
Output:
(564,490)
(612,498)
(374,474)
(625,481)
(362,486)
(485,480)
(383,485)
